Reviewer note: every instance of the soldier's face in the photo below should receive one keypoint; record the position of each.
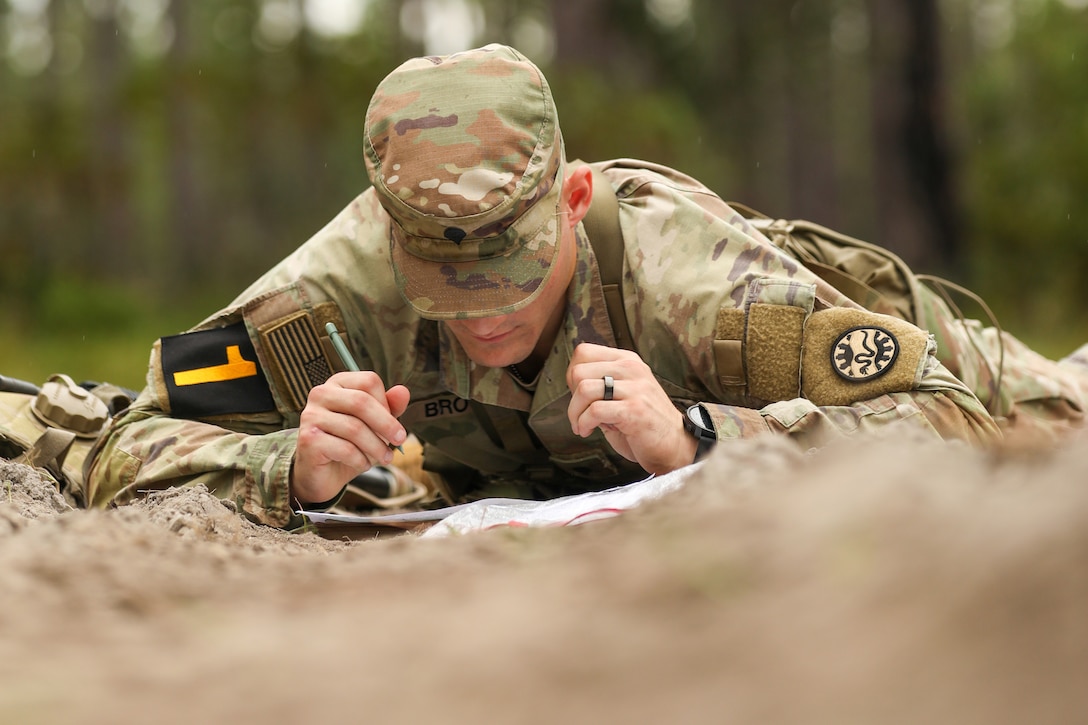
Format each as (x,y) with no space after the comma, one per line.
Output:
(509,339)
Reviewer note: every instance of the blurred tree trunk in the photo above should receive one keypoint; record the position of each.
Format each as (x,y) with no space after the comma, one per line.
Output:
(732,89)
(583,34)
(918,215)
(811,167)
(499,16)
(111,177)
(590,33)
(313,118)
(49,214)
(190,248)
(401,46)
(31,221)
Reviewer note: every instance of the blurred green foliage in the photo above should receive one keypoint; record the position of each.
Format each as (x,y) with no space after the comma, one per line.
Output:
(91,330)
(155,157)
(1027,170)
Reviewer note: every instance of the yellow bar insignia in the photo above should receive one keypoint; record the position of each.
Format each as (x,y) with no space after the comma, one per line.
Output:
(235,368)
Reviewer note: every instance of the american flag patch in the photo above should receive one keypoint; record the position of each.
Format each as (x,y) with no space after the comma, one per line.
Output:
(295,352)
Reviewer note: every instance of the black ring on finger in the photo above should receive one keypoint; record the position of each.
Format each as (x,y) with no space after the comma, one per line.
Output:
(609,387)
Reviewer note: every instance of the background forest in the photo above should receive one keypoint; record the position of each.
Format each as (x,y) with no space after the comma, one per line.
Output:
(158,155)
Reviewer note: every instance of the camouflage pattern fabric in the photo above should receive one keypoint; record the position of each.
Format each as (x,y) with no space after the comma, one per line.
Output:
(472,186)
(1033,399)
(696,275)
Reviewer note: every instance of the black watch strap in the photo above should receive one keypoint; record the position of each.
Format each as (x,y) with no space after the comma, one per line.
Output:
(697,422)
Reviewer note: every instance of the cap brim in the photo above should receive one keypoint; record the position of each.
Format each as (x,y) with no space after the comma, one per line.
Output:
(487,287)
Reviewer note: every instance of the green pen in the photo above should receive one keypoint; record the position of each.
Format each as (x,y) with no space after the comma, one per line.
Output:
(349,361)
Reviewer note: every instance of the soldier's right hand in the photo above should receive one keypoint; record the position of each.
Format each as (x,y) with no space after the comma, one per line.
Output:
(343,432)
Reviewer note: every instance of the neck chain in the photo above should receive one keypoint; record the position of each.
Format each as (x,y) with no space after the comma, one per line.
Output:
(517,374)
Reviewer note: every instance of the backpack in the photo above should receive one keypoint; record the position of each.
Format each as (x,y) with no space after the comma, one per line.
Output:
(870,275)
(53,427)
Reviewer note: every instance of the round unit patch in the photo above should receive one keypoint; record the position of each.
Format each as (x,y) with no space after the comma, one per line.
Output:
(864,353)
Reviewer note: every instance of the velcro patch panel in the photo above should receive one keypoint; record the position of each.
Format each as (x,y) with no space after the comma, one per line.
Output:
(777,348)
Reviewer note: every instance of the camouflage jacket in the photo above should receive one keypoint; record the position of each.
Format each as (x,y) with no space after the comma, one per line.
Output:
(721,315)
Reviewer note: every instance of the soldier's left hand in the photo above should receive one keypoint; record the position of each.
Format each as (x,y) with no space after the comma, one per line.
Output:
(640,421)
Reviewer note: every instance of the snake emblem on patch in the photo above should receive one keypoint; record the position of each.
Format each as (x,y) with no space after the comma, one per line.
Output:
(864,353)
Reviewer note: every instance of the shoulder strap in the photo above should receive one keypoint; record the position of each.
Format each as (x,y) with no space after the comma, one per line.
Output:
(602,225)
(49,450)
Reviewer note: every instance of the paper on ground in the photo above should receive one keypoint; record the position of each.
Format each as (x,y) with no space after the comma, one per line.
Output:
(492,512)
(320,517)
(565,511)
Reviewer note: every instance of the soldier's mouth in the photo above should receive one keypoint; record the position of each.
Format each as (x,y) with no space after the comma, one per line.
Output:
(493,338)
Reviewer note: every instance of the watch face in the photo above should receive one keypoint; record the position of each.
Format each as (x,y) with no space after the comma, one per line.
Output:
(697,423)
(695,415)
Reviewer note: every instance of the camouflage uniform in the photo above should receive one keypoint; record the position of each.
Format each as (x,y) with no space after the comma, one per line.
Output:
(721,315)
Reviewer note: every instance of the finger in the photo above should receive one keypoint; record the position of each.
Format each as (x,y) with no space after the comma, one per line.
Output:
(633,400)
(347,407)
(590,357)
(620,365)
(366,382)
(394,401)
(591,352)
(398,398)
(359,404)
(359,434)
(362,394)
(606,388)
(609,415)
(587,391)
(588,404)
(379,414)
(323,448)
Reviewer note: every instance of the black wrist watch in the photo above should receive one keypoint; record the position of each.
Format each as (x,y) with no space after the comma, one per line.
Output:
(697,422)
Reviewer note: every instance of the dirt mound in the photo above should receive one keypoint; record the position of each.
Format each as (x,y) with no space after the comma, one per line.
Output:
(873,581)
(25,496)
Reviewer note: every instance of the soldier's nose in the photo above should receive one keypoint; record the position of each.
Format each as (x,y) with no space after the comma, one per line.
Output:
(481,326)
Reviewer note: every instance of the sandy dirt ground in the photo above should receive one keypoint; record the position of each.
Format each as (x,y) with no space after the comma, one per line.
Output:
(872,582)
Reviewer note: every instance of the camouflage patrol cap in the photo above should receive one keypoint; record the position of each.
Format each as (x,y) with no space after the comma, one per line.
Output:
(466,156)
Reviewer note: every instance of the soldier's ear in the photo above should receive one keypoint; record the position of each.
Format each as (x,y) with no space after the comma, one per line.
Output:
(578,192)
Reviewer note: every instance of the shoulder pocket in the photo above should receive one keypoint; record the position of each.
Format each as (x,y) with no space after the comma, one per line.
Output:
(757,347)
(777,348)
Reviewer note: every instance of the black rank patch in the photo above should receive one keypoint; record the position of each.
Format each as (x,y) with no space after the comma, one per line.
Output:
(864,353)
(214,372)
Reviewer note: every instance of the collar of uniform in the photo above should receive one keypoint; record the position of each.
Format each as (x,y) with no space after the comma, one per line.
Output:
(466,379)
(586,321)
